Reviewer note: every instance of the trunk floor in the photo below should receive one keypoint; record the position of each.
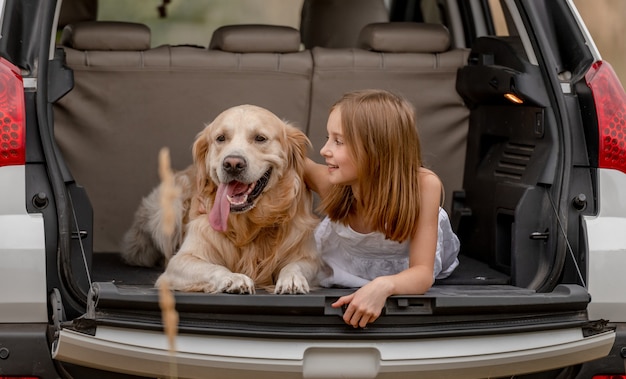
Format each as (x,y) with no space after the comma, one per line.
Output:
(109,267)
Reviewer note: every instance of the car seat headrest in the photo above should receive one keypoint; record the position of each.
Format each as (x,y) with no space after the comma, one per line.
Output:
(256,39)
(405,37)
(106,36)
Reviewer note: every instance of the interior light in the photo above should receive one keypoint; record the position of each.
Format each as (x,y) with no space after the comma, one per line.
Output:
(513,98)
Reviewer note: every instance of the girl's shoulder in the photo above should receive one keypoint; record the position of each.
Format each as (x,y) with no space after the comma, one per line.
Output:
(429,178)
(431,185)
(426,171)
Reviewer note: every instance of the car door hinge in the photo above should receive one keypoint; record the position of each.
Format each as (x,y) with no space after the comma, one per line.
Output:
(58,312)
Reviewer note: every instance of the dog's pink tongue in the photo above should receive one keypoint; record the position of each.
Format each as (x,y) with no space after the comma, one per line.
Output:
(218,217)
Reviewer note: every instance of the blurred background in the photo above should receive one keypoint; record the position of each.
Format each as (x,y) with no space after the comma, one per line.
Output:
(194,21)
(605,21)
(197,19)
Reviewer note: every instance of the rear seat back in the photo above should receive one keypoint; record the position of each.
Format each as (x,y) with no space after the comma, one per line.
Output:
(129,100)
(413,60)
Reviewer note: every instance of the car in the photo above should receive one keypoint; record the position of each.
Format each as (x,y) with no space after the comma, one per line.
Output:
(518,114)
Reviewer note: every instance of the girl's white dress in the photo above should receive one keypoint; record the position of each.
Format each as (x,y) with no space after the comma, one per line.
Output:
(353,259)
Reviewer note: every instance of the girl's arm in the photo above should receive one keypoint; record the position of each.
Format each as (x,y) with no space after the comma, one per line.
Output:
(365,305)
(316,177)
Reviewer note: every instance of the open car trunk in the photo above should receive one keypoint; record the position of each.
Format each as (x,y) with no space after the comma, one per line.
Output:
(443,310)
(517,299)
(471,325)
(468,331)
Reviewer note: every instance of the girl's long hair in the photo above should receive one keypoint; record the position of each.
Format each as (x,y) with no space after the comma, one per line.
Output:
(379,130)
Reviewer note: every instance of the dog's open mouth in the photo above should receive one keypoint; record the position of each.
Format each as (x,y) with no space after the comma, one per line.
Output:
(241,196)
(235,197)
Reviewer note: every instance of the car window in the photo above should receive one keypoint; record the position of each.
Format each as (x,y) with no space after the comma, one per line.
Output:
(193,22)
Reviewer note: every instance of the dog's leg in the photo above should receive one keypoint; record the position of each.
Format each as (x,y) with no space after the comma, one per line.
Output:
(189,273)
(296,277)
(192,270)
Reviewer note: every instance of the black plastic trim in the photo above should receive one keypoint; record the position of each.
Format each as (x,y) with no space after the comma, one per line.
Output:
(442,311)
(24,350)
(438,300)
(335,329)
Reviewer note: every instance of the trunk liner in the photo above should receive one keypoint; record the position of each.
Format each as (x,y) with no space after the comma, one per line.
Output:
(443,311)
(109,267)
(476,299)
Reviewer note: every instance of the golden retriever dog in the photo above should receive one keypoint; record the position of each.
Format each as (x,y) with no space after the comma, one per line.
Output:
(244,216)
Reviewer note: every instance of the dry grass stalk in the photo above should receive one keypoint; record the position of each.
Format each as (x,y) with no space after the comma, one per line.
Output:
(167,303)
(169,315)
(169,193)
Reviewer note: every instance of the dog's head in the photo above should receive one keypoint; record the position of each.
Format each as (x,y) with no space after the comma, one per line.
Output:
(242,155)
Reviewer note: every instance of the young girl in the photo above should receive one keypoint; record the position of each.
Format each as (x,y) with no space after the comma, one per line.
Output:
(385,231)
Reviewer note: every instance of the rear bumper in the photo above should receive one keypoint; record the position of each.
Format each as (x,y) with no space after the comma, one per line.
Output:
(607,250)
(612,364)
(146,353)
(24,350)
(22,253)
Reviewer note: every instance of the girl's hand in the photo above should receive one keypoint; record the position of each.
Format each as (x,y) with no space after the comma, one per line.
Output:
(366,304)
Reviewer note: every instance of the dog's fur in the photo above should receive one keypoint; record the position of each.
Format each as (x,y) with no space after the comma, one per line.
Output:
(261,241)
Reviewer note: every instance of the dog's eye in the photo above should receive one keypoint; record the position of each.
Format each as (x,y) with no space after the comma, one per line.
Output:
(260,138)
(220,138)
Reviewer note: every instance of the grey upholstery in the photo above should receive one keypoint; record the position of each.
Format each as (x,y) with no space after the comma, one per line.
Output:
(427,79)
(255,39)
(405,37)
(130,100)
(127,104)
(106,36)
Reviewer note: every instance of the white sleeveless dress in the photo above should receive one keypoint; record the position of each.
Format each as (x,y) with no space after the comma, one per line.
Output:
(353,259)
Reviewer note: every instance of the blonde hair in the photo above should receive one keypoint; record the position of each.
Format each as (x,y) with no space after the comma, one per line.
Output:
(380,132)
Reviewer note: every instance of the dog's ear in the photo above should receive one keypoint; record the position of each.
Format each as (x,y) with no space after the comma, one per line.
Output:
(298,144)
(199,151)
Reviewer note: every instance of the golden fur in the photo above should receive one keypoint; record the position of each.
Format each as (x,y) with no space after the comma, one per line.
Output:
(269,245)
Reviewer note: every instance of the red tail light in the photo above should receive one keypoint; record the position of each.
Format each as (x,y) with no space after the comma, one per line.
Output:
(12,127)
(610,100)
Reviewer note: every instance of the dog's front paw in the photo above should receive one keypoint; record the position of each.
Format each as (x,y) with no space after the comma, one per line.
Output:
(291,283)
(234,283)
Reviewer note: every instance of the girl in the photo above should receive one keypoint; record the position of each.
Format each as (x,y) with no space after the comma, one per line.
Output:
(385,231)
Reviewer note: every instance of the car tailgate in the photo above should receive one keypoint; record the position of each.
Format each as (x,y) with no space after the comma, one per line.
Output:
(473,332)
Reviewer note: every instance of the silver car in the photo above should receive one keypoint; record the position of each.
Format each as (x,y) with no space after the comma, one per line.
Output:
(519,116)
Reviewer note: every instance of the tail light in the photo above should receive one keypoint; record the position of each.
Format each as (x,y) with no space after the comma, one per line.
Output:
(12,126)
(610,101)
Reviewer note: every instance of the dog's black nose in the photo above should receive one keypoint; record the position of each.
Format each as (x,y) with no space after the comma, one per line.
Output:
(234,164)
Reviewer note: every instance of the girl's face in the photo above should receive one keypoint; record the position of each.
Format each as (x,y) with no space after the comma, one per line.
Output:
(341,165)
